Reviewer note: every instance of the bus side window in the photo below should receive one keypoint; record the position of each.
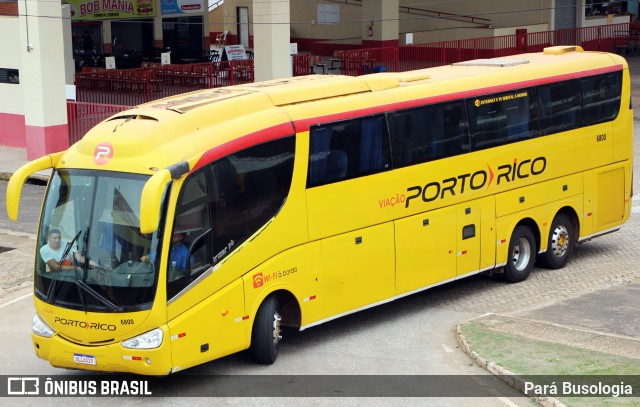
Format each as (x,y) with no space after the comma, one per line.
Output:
(502,118)
(348,149)
(428,133)
(601,97)
(450,133)
(374,148)
(560,108)
(191,221)
(247,189)
(325,164)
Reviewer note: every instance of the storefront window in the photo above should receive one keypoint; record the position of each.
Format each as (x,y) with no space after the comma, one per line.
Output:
(184,37)
(598,8)
(9,75)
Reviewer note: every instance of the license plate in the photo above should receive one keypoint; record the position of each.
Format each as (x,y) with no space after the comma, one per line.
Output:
(84,359)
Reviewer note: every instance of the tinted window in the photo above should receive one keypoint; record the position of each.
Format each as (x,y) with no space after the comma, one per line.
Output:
(428,133)
(226,202)
(502,118)
(560,107)
(248,189)
(601,97)
(349,149)
(192,220)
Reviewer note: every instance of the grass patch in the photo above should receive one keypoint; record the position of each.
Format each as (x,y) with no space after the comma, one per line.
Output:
(525,356)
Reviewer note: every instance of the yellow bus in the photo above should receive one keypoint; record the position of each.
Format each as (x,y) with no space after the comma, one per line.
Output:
(200,225)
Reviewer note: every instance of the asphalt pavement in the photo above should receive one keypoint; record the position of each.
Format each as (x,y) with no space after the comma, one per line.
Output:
(606,320)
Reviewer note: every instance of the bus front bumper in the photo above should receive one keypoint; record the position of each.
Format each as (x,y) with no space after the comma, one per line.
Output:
(113,357)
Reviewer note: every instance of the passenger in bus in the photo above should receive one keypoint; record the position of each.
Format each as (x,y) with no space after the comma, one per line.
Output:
(51,253)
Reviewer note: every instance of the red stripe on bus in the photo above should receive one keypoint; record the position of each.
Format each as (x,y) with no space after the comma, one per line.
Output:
(289,128)
(250,140)
(305,124)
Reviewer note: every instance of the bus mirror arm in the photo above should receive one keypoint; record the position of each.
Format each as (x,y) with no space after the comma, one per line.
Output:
(14,188)
(151,200)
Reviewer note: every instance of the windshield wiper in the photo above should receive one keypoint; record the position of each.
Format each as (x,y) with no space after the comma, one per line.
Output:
(81,280)
(65,253)
(97,296)
(85,268)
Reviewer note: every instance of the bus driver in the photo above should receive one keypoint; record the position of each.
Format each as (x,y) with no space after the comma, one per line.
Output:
(51,252)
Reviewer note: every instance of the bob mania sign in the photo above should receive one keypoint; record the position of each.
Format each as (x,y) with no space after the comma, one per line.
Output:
(110,9)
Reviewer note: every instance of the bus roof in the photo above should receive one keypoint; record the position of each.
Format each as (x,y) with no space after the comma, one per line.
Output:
(184,127)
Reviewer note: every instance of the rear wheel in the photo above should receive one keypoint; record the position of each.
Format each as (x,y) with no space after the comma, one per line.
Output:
(522,253)
(267,332)
(560,243)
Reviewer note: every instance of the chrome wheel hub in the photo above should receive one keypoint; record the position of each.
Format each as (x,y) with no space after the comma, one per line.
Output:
(521,254)
(560,241)
(277,329)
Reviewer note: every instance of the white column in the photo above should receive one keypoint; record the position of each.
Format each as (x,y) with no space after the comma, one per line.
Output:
(158,38)
(107,44)
(271,20)
(42,77)
(69,65)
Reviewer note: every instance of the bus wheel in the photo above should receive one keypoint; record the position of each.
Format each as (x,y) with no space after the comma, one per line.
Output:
(560,243)
(267,332)
(522,249)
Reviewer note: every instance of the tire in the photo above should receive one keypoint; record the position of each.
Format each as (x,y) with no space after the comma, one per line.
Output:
(267,332)
(522,254)
(560,243)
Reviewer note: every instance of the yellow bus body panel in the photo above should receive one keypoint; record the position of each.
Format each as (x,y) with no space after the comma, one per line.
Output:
(78,332)
(346,246)
(210,329)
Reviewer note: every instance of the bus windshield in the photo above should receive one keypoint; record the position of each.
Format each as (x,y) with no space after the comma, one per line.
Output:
(90,250)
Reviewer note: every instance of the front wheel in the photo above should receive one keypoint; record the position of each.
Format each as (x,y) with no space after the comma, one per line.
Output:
(522,254)
(267,332)
(560,243)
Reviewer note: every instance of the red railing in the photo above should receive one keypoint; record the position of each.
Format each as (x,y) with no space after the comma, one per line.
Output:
(418,56)
(301,64)
(359,62)
(114,86)
(154,81)
(108,92)
(82,116)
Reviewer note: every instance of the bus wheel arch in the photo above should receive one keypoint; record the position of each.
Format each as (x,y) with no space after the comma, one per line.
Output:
(563,235)
(522,250)
(278,310)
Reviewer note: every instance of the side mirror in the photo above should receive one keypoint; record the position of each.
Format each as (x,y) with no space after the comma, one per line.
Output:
(152,192)
(14,188)
(151,200)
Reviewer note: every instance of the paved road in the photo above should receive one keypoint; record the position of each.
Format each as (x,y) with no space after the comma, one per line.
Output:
(412,336)
(29,211)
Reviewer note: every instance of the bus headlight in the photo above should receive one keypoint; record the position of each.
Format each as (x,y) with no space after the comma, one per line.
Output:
(41,328)
(148,340)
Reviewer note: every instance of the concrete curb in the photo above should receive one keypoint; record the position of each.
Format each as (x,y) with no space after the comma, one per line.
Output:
(500,372)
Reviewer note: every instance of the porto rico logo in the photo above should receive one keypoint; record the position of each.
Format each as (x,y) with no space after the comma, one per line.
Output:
(103,153)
